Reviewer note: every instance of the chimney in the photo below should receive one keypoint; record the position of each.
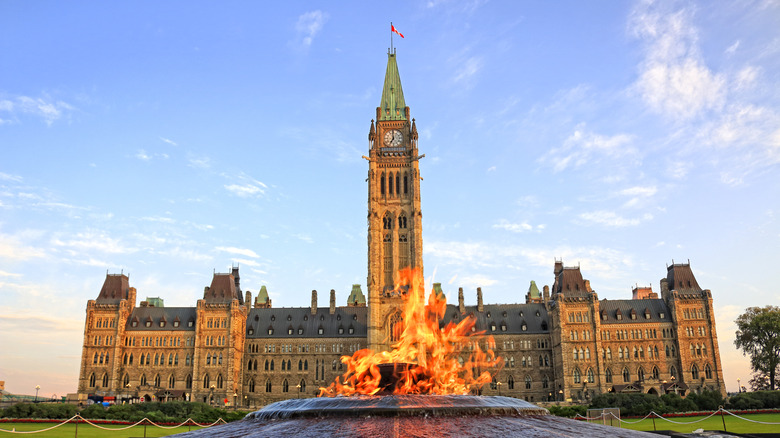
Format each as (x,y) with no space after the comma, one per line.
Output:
(248,300)
(546,293)
(314,302)
(558,267)
(332,301)
(480,306)
(461,305)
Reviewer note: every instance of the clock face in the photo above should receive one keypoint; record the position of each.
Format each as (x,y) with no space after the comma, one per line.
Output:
(393,138)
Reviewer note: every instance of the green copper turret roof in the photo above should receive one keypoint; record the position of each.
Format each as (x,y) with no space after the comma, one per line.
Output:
(437,290)
(356,296)
(533,290)
(392,106)
(262,295)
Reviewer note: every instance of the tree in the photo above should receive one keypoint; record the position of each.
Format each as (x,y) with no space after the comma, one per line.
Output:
(758,336)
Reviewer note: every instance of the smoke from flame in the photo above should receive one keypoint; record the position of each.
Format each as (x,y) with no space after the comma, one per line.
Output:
(443,360)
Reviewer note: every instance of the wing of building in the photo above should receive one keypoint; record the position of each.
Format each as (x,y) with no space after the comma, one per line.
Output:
(563,343)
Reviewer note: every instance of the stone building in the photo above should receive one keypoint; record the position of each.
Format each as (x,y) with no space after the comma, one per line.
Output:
(563,343)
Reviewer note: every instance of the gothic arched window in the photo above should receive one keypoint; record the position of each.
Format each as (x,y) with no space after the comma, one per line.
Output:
(626,375)
(608,375)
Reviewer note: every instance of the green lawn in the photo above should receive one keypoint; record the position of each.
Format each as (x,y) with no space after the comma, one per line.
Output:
(87,431)
(733,424)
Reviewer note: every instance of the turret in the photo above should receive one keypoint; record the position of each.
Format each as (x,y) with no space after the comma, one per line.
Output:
(480,306)
(314,302)
(332,301)
(461,304)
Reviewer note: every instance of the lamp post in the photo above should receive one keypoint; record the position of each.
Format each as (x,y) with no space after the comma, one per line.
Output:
(549,397)
(498,384)
(212,395)
(560,395)
(246,401)
(299,390)
(739,385)
(235,400)
(37,388)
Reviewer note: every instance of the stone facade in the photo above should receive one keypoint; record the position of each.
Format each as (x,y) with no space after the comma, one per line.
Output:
(563,343)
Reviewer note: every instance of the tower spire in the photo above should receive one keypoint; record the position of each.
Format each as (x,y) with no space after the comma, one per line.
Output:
(392,106)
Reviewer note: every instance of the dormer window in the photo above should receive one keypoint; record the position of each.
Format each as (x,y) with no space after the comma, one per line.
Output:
(322,317)
(524,327)
(320,330)
(305,317)
(251,331)
(162,323)
(190,323)
(537,313)
(351,330)
(354,317)
(175,323)
(662,316)
(488,314)
(135,324)
(647,315)
(338,317)
(273,317)
(289,318)
(619,316)
(270,331)
(341,330)
(300,331)
(504,314)
(503,326)
(290,331)
(148,323)
(492,326)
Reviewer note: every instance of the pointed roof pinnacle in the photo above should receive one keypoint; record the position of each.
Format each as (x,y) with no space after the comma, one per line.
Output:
(392,106)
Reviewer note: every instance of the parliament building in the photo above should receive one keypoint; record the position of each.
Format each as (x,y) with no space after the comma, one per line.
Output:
(562,344)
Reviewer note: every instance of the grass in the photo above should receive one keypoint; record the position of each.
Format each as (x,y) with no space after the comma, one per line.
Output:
(733,424)
(87,431)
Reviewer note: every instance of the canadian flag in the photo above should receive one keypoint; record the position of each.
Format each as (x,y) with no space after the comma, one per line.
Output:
(393,29)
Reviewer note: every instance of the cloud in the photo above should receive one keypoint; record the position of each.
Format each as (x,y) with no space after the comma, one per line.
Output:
(142,155)
(43,107)
(673,79)
(583,147)
(638,195)
(246,187)
(612,219)
(9,177)
(169,141)
(309,25)
(732,48)
(94,241)
(240,251)
(521,227)
(306,238)
(199,162)
(11,248)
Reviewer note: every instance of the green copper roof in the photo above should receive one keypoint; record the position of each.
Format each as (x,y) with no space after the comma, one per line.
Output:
(356,296)
(392,106)
(155,301)
(437,290)
(262,296)
(533,290)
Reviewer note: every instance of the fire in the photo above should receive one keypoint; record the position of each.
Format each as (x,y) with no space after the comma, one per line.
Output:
(426,355)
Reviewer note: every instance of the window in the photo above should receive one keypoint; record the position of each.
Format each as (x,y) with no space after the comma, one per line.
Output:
(268,386)
(577,377)
(302,386)
(626,375)
(285,386)
(157,380)
(608,375)
(695,372)
(640,374)
(219,381)
(591,377)
(527,382)
(142,381)
(92,380)
(510,382)
(252,385)
(707,371)
(189,381)
(655,373)
(171,382)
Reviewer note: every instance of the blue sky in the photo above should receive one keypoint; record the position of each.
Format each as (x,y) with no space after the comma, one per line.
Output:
(169,140)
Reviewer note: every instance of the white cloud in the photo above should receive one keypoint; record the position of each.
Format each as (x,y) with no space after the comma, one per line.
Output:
(240,251)
(142,155)
(169,141)
(199,162)
(12,248)
(476,280)
(639,191)
(94,241)
(732,48)
(44,107)
(246,187)
(309,25)
(612,219)
(583,147)
(304,237)
(673,80)
(520,227)
(9,177)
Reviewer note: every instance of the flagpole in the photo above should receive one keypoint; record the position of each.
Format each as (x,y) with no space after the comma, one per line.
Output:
(391,37)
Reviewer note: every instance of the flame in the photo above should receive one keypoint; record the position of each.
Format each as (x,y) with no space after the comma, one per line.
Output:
(431,351)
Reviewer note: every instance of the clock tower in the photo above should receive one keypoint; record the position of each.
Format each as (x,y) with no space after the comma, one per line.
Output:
(394,215)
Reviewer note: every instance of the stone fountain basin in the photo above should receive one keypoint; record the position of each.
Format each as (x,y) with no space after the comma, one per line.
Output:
(429,416)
